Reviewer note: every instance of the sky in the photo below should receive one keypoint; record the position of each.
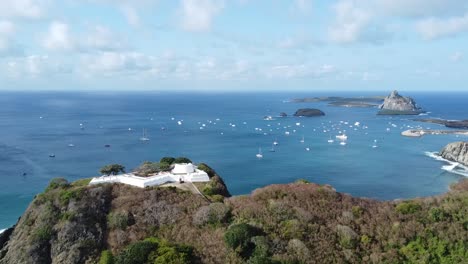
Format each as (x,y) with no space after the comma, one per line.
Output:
(233,45)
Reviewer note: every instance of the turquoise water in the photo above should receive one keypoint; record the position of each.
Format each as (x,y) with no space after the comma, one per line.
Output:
(397,168)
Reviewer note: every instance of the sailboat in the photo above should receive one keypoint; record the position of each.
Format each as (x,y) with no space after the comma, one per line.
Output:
(275,142)
(259,154)
(330,140)
(375,144)
(272,148)
(145,136)
(302,140)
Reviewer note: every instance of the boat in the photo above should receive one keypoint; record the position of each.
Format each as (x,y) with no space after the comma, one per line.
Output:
(302,140)
(342,137)
(259,154)
(145,136)
(330,140)
(307,149)
(107,146)
(342,143)
(52,155)
(272,148)
(71,145)
(275,142)
(375,144)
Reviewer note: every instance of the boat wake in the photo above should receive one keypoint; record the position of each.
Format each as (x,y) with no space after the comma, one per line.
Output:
(452,167)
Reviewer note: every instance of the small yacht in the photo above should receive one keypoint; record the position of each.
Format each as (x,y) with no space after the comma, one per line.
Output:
(342,137)
(272,148)
(52,155)
(375,144)
(342,143)
(330,140)
(302,140)
(145,136)
(307,149)
(275,142)
(259,154)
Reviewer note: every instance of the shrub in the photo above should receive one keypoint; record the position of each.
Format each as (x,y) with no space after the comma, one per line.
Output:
(215,213)
(43,234)
(207,169)
(408,207)
(148,168)
(57,183)
(365,240)
(357,211)
(182,160)
(81,182)
(347,236)
(437,214)
(302,181)
(168,160)
(164,166)
(217,198)
(168,254)
(66,195)
(238,237)
(118,220)
(136,253)
(113,169)
(106,257)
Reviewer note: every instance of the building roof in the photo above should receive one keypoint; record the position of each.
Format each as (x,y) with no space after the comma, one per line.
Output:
(183,168)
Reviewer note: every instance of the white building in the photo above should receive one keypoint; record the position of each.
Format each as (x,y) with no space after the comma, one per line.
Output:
(186,172)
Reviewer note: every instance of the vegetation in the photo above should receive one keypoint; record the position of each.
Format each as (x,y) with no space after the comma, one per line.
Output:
(112,169)
(290,223)
(182,160)
(148,168)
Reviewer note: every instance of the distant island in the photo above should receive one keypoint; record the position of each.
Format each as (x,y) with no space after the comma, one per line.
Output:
(301,222)
(343,101)
(395,104)
(309,112)
(447,123)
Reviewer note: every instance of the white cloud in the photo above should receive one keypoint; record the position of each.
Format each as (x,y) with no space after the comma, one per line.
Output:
(109,63)
(456,57)
(131,15)
(303,6)
(420,8)
(198,15)
(293,71)
(35,66)
(433,28)
(31,9)
(58,37)
(349,23)
(7,45)
(99,38)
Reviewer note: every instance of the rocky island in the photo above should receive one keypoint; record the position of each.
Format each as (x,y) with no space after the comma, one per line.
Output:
(457,152)
(309,112)
(300,222)
(395,104)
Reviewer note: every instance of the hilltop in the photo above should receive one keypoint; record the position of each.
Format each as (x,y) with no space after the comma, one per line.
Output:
(300,222)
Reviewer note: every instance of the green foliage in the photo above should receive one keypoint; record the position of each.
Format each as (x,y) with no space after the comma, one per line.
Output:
(182,160)
(207,169)
(433,250)
(106,257)
(42,234)
(217,198)
(357,211)
(302,181)
(365,240)
(136,253)
(437,214)
(112,169)
(214,214)
(66,195)
(167,160)
(168,254)
(408,207)
(67,216)
(238,237)
(57,183)
(118,220)
(81,182)
(346,237)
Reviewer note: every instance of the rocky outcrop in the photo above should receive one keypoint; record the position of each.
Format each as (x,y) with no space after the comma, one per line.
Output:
(457,151)
(309,112)
(395,104)
(283,114)
(447,123)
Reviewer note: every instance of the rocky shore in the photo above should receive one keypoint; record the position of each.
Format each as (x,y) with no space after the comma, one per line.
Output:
(309,112)
(457,152)
(422,132)
(448,123)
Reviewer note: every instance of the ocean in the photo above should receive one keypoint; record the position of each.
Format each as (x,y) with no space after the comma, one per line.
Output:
(224,130)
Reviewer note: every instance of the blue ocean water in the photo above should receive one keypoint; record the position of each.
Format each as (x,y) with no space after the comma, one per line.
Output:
(35,125)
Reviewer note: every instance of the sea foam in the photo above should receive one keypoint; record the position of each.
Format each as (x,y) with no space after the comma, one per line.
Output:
(453,167)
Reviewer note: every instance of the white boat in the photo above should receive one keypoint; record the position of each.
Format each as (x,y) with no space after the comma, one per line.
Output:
(342,137)
(307,149)
(342,143)
(275,142)
(375,144)
(71,145)
(302,140)
(330,140)
(145,136)
(259,154)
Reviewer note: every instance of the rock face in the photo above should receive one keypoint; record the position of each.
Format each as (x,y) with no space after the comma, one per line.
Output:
(309,112)
(457,151)
(395,104)
(283,114)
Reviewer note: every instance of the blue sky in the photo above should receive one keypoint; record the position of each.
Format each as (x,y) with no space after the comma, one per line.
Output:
(241,45)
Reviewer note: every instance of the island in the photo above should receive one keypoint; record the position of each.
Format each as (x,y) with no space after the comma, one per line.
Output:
(422,132)
(374,101)
(448,123)
(395,104)
(309,112)
(300,222)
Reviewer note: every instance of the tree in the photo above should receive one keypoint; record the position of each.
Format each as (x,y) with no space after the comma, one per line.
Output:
(112,169)
(168,160)
(238,237)
(182,160)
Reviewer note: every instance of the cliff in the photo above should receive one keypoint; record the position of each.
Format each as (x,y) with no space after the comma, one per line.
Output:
(292,223)
(395,104)
(457,151)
